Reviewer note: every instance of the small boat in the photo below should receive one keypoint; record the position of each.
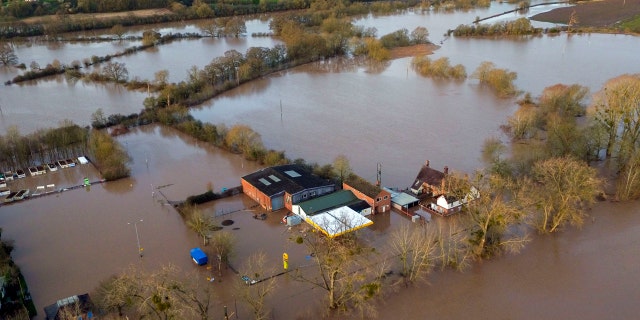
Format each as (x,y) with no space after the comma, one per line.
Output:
(8,175)
(52,167)
(20,174)
(62,164)
(71,163)
(33,171)
(10,197)
(4,192)
(41,169)
(21,194)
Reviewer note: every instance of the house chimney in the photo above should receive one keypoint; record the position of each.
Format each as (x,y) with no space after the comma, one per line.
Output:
(426,163)
(446,170)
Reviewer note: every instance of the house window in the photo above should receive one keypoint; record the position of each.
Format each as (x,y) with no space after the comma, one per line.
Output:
(304,196)
(313,193)
(386,197)
(378,199)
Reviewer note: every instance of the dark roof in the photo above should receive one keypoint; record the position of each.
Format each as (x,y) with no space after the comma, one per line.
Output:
(429,176)
(327,202)
(84,301)
(362,185)
(358,206)
(290,178)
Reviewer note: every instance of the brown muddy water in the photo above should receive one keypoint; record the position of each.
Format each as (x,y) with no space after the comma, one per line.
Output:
(67,243)
(592,273)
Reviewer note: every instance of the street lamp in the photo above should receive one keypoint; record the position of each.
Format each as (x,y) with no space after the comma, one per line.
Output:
(135,225)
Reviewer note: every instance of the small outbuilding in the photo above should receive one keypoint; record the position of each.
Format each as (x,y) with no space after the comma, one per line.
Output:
(199,257)
(378,199)
(402,200)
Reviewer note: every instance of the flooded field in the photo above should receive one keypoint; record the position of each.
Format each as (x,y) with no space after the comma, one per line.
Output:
(590,273)
(66,243)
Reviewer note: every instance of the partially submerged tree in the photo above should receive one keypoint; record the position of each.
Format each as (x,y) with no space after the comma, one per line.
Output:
(452,248)
(500,80)
(8,55)
(262,283)
(241,138)
(109,157)
(617,110)
(116,293)
(415,246)
(342,271)
(628,181)
(492,219)
(202,224)
(162,294)
(341,167)
(119,31)
(115,71)
(222,244)
(420,35)
(558,192)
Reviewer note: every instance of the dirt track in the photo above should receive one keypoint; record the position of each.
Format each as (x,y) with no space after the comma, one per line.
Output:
(603,13)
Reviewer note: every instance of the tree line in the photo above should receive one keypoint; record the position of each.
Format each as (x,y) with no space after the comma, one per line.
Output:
(69,140)
(64,21)
(16,300)
(518,27)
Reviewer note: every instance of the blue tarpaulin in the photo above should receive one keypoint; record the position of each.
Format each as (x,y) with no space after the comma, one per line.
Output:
(198,256)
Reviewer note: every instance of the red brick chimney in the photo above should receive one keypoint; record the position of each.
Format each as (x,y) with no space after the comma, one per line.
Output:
(426,163)
(446,170)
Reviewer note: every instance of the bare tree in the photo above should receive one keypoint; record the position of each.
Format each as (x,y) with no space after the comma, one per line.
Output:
(558,192)
(34,66)
(117,292)
(573,20)
(452,249)
(222,244)
(163,294)
(261,284)
(235,26)
(343,271)
(8,55)
(341,167)
(212,28)
(492,222)
(628,182)
(615,108)
(119,31)
(420,35)
(202,224)
(21,314)
(115,71)
(415,247)
(71,311)
(161,77)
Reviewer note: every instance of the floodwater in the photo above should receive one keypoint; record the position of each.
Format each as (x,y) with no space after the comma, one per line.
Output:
(590,273)
(67,243)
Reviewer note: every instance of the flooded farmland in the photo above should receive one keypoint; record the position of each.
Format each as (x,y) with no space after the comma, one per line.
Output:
(66,243)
